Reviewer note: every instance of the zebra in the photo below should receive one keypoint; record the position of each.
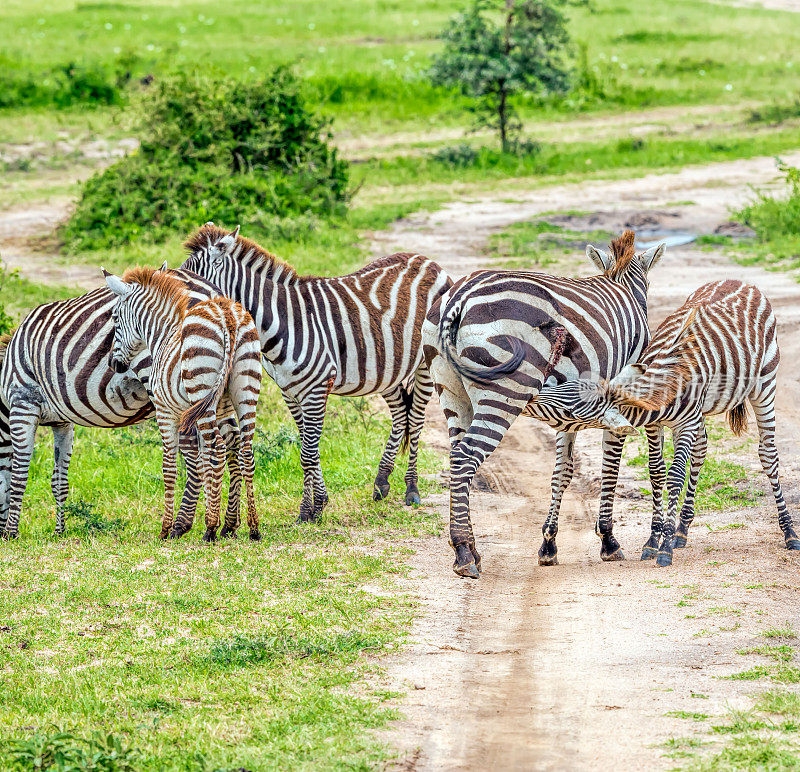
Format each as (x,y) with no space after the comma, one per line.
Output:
(352,335)
(498,336)
(198,354)
(712,355)
(54,372)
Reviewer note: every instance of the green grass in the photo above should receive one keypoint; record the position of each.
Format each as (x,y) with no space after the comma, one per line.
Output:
(232,655)
(365,59)
(722,484)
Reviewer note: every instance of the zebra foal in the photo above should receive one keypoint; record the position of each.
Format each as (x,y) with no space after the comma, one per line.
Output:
(199,355)
(497,337)
(54,372)
(714,354)
(351,335)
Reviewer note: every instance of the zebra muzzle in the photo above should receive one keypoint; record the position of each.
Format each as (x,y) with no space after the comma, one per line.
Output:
(614,421)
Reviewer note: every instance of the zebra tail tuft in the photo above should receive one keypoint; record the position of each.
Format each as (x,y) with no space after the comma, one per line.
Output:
(192,415)
(737,419)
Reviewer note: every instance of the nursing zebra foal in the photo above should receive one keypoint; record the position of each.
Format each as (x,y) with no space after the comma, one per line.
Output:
(714,354)
(198,355)
(54,372)
(352,335)
(498,336)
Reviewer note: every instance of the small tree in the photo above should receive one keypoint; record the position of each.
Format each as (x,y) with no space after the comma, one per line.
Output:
(528,51)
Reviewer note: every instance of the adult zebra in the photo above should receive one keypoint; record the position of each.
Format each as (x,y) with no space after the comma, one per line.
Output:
(55,372)
(352,335)
(498,336)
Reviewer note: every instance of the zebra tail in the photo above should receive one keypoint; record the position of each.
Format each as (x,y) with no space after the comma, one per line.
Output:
(448,331)
(192,415)
(408,400)
(737,419)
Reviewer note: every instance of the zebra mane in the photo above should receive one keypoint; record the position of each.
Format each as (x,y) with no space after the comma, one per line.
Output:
(245,249)
(659,385)
(622,249)
(162,282)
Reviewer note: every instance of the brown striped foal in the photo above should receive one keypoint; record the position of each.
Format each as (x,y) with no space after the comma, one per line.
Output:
(206,361)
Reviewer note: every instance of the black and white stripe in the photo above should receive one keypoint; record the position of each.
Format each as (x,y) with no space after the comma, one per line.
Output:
(55,373)
(351,335)
(498,336)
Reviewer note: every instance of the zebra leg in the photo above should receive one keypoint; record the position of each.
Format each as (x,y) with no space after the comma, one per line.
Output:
(562,476)
(229,429)
(188,445)
(764,411)
(169,469)
(248,468)
(683,439)
(687,509)
(488,427)
(23,421)
(396,401)
(658,475)
(420,396)
(63,436)
(214,467)
(315,497)
(610,549)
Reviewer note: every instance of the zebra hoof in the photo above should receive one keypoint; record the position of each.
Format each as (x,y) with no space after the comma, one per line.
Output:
(227,533)
(210,535)
(306,517)
(255,536)
(793,544)
(380,491)
(469,571)
(548,560)
(648,553)
(548,553)
(10,535)
(612,557)
(679,542)
(664,559)
(412,498)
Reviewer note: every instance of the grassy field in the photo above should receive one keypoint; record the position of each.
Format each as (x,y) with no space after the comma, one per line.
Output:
(265,656)
(198,657)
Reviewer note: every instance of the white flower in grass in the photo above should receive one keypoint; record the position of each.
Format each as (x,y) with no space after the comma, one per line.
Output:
(728,87)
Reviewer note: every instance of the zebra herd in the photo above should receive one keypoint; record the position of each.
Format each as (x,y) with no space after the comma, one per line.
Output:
(185,345)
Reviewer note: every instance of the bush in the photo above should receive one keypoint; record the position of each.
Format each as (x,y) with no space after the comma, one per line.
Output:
(771,217)
(6,277)
(63,86)
(213,149)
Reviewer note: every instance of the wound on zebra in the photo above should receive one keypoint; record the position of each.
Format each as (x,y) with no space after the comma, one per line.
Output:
(504,343)
(205,368)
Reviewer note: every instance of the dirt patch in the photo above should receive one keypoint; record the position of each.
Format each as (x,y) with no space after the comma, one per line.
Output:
(577,666)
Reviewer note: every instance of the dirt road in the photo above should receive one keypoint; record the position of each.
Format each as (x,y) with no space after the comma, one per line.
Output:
(577,666)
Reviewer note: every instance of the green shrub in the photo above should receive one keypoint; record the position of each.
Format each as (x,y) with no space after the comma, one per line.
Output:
(772,218)
(64,752)
(62,86)
(7,278)
(213,149)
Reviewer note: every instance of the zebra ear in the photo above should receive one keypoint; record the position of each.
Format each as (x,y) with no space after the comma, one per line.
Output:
(164,266)
(601,259)
(653,255)
(236,232)
(117,286)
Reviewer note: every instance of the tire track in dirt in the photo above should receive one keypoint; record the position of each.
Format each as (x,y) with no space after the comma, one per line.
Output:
(575,666)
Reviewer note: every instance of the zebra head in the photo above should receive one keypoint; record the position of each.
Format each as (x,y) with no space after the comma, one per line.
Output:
(128,340)
(627,267)
(587,400)
(210,250)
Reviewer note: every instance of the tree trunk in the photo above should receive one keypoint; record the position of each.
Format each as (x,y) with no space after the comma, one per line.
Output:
(502,109)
